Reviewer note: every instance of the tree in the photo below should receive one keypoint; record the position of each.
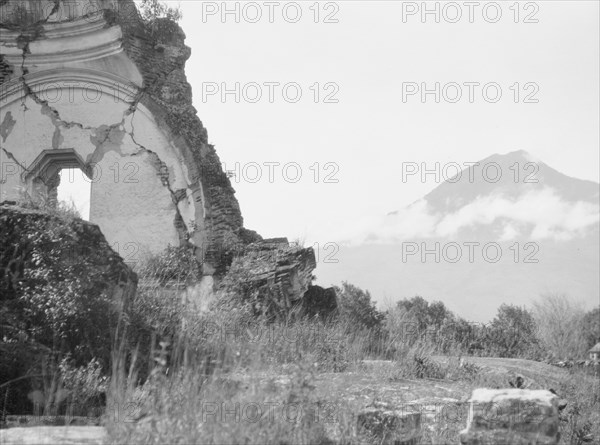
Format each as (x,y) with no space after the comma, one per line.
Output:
(355,306)
(560,323)
(427,315)
(463,334)
(512,333)
(437,314)
(591,327)
(421,320)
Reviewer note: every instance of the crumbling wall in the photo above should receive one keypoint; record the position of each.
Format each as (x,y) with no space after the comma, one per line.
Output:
(91,84)
(159,51)
(93,80)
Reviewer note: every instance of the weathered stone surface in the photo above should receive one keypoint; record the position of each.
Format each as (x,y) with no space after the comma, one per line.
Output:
(516,416)
(63,289)
(290,267)
(390,426)
(56,435)
(270,274)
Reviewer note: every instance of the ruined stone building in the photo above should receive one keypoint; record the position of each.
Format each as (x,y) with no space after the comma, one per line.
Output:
(88,84)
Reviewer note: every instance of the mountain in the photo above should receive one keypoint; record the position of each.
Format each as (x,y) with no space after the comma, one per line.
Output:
(511,175)
(504,230)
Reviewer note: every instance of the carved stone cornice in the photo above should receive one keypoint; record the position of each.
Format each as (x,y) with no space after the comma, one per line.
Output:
(105,82)
(81,40)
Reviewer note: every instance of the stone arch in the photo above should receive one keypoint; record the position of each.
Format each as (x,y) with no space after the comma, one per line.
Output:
(122,145)
(42,177)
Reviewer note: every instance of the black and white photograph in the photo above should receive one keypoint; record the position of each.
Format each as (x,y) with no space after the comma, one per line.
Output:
(299,222)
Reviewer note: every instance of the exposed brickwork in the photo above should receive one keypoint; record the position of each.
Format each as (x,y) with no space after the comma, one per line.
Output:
(271,273)
(290,270)
(160,53)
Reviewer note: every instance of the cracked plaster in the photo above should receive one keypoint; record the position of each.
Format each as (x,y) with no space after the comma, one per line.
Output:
(92,120)
(153,167)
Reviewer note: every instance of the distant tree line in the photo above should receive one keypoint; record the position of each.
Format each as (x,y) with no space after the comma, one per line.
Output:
(554,328)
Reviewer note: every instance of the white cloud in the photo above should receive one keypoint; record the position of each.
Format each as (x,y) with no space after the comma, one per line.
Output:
(509,233)
(543,212)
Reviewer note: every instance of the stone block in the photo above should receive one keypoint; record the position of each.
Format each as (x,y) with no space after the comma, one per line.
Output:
(515,416)
(390,426)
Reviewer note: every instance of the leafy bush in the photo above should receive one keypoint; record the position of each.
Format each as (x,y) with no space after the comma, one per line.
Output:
(580,421)
(155,9)
(426,315)
(63,291)
(419,364)
(58,279)
(174,265)
(560,321)
(356,307)
(591,328)
(513,333)
(416,320)
(86,385)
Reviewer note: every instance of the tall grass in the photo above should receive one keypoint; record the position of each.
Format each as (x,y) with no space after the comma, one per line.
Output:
(221,379)
(228,376)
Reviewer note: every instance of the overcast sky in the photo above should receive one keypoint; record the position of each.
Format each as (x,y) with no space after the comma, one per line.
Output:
(355,63)
(364,59)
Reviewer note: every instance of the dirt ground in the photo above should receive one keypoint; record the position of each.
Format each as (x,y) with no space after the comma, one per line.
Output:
(442,403)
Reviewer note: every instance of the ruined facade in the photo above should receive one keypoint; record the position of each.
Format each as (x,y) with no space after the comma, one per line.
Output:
(89,84)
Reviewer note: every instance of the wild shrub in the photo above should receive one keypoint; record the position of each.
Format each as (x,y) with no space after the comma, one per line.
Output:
(560,320)
(356,306)
(174,265)
(85,385)
(61,285)
(417,363)
(156,9)
(580,420)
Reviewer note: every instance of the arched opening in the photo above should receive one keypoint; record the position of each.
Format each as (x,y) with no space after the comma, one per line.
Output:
(60,178)
(74,191)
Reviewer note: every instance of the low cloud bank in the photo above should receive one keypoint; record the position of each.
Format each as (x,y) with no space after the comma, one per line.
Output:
(540,214)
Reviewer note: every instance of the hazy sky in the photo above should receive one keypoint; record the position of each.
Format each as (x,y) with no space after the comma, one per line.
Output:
(368,55)
(349,146)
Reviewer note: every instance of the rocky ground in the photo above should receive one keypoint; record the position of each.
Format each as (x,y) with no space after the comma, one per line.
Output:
(442,403)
